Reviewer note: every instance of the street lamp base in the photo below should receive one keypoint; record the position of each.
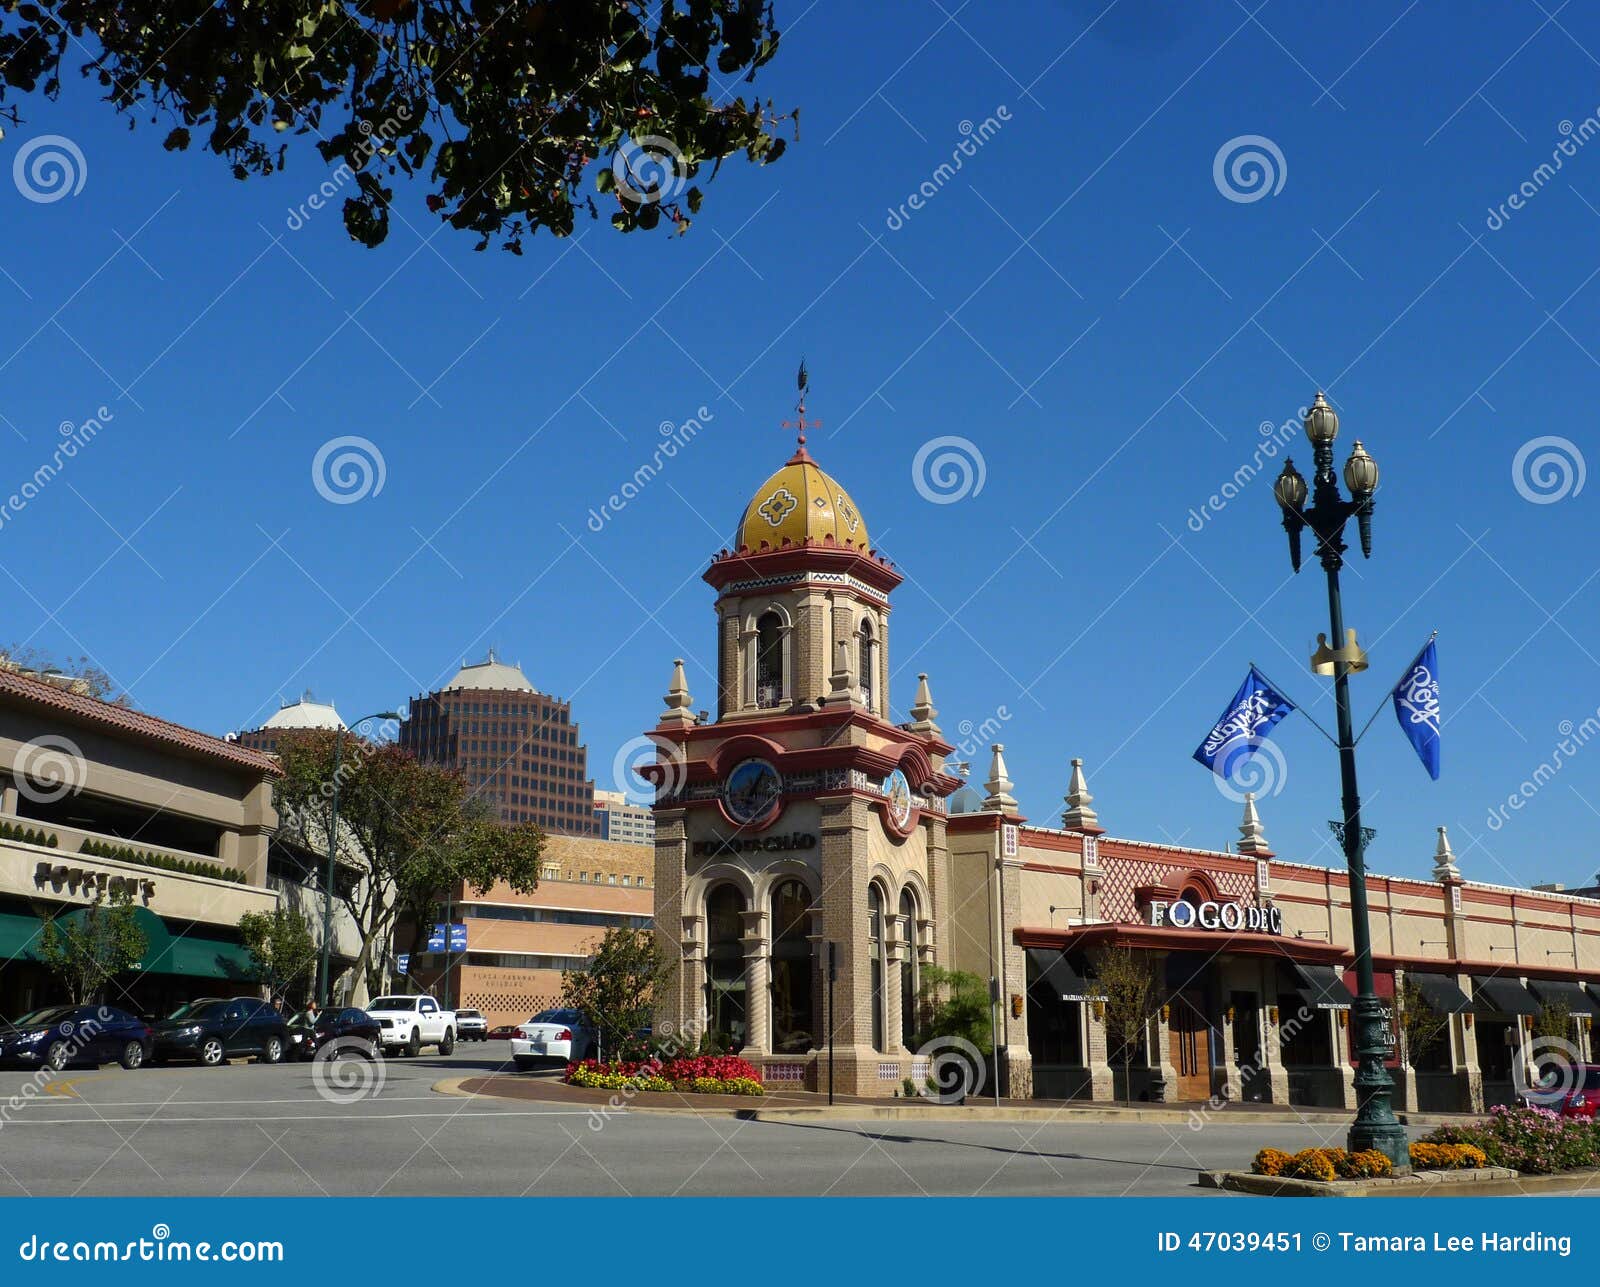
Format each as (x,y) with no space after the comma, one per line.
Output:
(1389,1138)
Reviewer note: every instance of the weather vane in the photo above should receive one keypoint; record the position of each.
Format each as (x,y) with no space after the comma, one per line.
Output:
(803,383)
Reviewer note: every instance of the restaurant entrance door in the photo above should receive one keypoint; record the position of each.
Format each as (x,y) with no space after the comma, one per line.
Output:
(1191,1045)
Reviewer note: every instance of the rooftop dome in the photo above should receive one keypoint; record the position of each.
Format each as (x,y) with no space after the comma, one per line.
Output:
(306,713)
(800,503)
(493,675)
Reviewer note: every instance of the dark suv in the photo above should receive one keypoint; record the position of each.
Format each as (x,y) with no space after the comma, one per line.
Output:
(214,1031)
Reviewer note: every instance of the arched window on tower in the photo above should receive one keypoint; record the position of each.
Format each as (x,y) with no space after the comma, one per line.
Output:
(793,1026)
(875,951)
(769,659)
(908,971)
(725,983)
(864,664)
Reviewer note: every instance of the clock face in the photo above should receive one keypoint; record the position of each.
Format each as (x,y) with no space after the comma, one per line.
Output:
(752,791)
(898,793)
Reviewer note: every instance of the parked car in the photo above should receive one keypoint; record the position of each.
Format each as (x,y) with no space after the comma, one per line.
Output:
(505,1032)
(471,1026)
(346,1029)
(75,1034)
(553,1036)
(213,1031)
(1575,1091)
(409,1023)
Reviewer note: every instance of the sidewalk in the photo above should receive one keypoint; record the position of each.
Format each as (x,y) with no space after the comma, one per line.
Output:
(783,1104)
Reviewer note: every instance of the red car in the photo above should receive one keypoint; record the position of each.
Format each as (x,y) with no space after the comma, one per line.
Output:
(1574,1091)
(503,1033)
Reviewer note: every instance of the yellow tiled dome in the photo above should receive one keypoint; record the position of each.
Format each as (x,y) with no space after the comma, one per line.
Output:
(800,502)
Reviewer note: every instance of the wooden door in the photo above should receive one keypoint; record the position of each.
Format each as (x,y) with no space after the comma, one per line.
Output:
(1191,1046)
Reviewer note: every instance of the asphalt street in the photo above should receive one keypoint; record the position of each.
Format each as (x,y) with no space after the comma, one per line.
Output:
(247,1129)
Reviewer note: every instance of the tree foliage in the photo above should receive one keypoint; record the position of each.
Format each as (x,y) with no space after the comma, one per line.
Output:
(95,681)
(1419,1023)
(954,1003)
(617,991)
(280,947)
(500,106)
(1129,981)
(87,949)
(407,831)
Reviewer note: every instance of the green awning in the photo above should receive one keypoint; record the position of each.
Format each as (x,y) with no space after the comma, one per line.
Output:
(19,937)
(187,954)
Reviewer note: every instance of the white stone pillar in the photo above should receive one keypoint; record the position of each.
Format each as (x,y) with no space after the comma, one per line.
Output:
(757,984)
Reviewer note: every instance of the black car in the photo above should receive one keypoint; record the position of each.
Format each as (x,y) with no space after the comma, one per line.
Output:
(75,1034)
(214,1031)
(340,1031)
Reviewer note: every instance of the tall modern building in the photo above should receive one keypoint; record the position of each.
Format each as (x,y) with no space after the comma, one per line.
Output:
(620,819)
(517,747)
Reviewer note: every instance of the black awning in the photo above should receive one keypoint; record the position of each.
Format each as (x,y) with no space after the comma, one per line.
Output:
(1055,973)
(1564,992)
(1442,993)
(1321,986)
(1501,996)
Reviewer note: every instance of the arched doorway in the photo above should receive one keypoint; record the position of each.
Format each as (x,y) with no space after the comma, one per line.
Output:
(793,1008)
(727,1012)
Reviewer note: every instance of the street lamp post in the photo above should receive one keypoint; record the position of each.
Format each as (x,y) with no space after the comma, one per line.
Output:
(1375,1126)
(333,845)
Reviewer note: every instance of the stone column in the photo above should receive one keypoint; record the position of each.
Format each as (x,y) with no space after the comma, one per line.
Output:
(692,952)
(1405,1076)
(673,1009)
(1341,1054)
(757,984)
(846,822)
(1018,1061)
(730,666)
(1468,1070)
(8,797)
(1232,1087)
(1272,1048)
(894,961)
(1102,1084)
(1161,1056)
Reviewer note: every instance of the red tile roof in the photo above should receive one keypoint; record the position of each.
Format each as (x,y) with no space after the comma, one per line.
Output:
(121,719)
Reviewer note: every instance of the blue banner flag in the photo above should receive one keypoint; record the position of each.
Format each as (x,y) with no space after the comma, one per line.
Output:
(1416,706)
(1252,714)
(436,939)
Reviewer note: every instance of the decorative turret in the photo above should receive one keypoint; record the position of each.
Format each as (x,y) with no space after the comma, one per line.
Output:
(1444,859)
(922,711)
(1079,814)
(1252,835)
(999,799)
(680,706)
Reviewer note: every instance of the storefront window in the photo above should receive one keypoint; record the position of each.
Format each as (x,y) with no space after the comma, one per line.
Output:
(725,990)
(875,951)
(793,1026)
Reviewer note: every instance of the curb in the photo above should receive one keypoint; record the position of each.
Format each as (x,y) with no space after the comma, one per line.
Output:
(1480,1182)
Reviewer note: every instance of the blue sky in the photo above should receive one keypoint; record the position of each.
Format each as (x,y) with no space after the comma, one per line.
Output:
(1081,301)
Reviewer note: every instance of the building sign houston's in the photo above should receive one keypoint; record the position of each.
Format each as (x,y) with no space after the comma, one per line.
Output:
(1232,917)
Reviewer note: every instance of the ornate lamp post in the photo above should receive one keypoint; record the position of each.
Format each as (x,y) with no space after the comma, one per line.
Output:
(1375,1125)
(333,846)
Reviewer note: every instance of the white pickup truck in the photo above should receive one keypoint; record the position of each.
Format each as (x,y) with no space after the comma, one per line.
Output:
(408,1023)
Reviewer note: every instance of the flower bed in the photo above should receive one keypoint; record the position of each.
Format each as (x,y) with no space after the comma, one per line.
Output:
(1534,1141)
(1322,1164)
(700,1075)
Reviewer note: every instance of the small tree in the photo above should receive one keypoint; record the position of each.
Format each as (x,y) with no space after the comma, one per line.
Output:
(616,993)
(1554,1021)
(1128,979)
(954,1003)
(84,950)
(280,946)
(1420,1025)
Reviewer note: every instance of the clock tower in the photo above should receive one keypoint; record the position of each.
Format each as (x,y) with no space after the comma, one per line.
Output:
(802,818)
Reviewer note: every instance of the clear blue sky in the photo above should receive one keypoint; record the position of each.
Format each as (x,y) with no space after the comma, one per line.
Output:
(1080,300)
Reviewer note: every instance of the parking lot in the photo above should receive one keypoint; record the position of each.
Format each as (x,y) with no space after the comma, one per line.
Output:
(251,1129)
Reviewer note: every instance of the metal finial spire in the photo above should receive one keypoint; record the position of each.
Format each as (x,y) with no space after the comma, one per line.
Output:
(800,423)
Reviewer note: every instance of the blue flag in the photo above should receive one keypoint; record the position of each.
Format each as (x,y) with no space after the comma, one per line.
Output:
(1252,714)
(1416,706)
